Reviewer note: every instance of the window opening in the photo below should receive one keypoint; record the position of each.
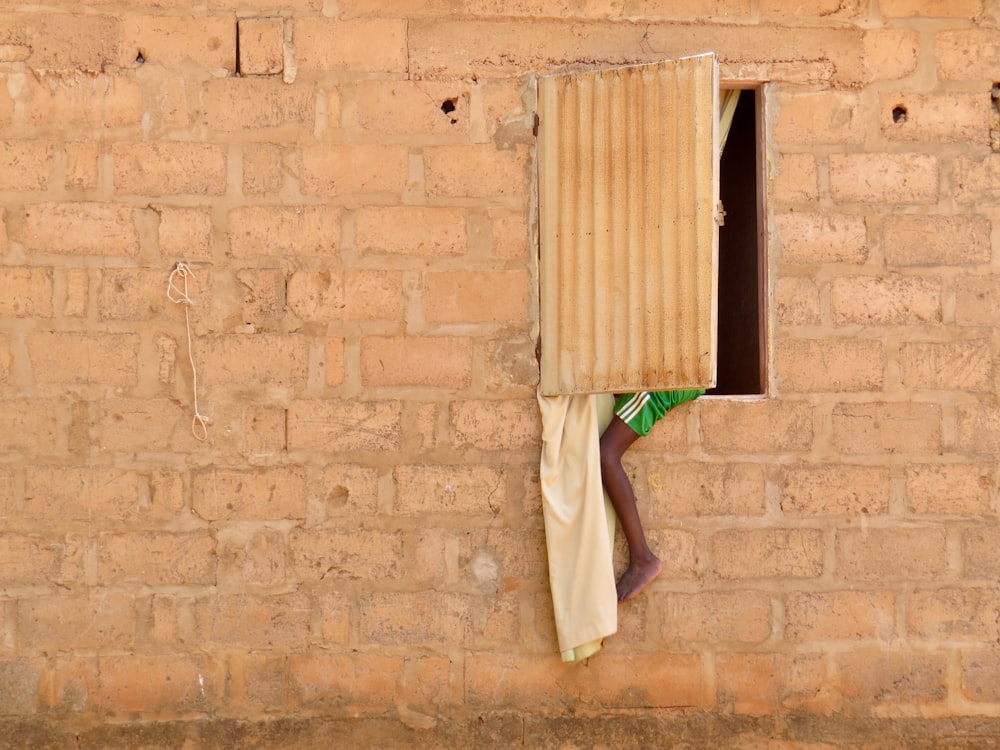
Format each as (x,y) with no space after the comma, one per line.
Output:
(742,284)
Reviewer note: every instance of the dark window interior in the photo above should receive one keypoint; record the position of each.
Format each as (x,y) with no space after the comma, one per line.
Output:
(741,272)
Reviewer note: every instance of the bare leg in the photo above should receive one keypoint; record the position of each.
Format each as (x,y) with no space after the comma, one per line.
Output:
(643,565)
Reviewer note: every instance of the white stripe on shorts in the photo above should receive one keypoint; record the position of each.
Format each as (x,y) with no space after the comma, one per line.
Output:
(633,406)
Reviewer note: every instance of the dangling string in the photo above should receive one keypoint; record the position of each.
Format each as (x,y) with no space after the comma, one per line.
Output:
(179,295)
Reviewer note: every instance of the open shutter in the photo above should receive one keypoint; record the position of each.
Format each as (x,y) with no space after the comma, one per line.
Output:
(628,196)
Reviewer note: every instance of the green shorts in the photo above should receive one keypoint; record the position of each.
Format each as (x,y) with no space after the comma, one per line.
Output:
(642,410)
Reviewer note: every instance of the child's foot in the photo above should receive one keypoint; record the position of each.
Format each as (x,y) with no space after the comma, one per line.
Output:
(638,576)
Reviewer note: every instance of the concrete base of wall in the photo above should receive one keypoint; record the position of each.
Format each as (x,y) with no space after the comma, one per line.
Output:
(505,730)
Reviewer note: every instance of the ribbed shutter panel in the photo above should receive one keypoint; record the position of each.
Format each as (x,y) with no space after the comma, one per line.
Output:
(628,190)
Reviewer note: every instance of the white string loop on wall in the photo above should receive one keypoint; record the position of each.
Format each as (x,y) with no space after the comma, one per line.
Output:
(178,294)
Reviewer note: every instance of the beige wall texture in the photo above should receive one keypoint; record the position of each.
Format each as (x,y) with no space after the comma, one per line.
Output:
(355,554)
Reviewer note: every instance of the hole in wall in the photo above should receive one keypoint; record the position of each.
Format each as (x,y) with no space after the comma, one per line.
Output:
(140,58)
(448,106)
(899,113)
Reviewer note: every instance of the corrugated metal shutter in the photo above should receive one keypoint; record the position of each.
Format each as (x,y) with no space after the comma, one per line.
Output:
(628,195)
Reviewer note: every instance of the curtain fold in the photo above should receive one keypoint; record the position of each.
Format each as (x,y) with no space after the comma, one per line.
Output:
(579,522)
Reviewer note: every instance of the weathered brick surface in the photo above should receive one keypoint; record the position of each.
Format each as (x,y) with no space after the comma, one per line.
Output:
(891,554)
(977,178)
(134,424)
(353,551)
(110,359)
(711,617)
(440,489)
(260,359)
(796,179)
(104,229)
(495,425)
(96,101)
(510,235)
(930,8)
(65,623)
(411,230)
(460,48)
(809,366)
(936,240)
(839,615)
(980,556)
(476,296)
(132,294)
(238,104)
(910,178)
(332,556)
(959,489)
(746,427)
(33,425)
(407,360)
(273,494)
(954,365)
(964,54)
(59,494)
(26,292)
(369,683)
(344,426)
(375,45)
(156,558)
(32,560)
(807,490)
(168,168)
(977,301)
(866,428)
(342,170)
(475,171)
(887,679)
(261,45)
(767,553)
(820,117)
(262,169)
(817,238)
(978,667)
(82,165)
(760,683)
(516,553)
(892,51)
(280,622)
(156,683)
(507,680)
(4,360)
(185,233)
(937,118)
(416,618)
(954,614)
(797,301)
(690,489)
(25,165)
(169,41)
(63,41)
(886,300)
(358,295)
(413,107)
(20,681)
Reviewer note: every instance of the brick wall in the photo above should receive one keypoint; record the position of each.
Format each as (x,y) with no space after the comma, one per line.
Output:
(358,541)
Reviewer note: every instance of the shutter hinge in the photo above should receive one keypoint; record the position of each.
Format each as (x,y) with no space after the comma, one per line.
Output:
(720,214)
